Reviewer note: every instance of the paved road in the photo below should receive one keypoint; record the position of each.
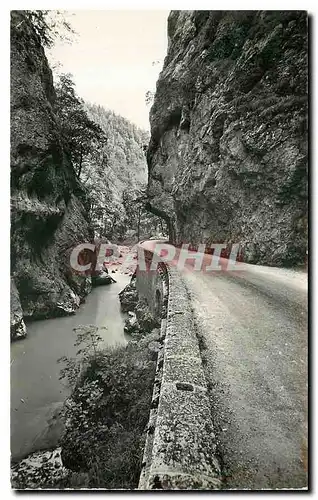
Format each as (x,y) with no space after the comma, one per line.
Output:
(253,329)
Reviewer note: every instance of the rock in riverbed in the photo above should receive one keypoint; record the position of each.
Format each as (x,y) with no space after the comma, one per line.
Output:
(18,329)
(102,279)
(39,470)
(129,297)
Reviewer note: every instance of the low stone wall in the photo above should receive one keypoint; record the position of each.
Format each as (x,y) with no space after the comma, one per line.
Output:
(180,449)
(152,285)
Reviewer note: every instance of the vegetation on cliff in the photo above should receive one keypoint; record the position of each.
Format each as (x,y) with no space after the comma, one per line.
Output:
(70,165)
(49,206)
(122,186)
(108,154)
(81,136)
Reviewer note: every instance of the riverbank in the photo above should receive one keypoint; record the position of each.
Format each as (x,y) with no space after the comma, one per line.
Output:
(37,394)
(105,421)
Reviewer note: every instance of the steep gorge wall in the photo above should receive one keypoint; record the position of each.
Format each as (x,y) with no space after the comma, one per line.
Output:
(228,152)
(49,212)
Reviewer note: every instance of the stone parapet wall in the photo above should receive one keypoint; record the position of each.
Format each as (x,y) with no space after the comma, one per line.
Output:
(180,449)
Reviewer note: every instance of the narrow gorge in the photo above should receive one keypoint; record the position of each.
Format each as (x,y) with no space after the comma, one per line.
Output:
(181,376)
(55,207)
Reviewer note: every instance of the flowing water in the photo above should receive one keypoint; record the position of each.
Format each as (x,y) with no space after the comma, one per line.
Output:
(37,394)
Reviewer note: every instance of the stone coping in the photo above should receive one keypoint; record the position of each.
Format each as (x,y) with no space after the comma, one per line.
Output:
(180,449)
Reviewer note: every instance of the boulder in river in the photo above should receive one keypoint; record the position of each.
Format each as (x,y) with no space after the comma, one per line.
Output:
(131,325)
(17,326)
(128,296)
(102,279)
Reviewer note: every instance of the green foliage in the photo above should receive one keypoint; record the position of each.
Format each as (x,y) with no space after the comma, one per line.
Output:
(50,25)
(107,152)
(126,169)
(231,40)
(107,414)
(82,137)
(149,97)
(88,339)
(70,371)
(124,146)
(144,223)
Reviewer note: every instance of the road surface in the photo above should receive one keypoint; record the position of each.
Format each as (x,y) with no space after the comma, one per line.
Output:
(252,325)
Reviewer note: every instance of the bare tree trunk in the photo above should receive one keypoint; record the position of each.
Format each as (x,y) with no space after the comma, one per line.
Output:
(138,224)
(80,164)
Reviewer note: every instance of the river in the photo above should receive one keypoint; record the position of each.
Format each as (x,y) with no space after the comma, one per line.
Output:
(36,391)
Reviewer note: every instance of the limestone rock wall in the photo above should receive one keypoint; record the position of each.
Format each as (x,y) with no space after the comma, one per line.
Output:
(49,212)
(228,152)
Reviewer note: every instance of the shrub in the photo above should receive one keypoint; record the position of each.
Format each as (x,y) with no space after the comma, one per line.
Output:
(106,416)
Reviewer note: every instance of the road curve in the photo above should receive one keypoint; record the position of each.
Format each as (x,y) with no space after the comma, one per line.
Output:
(252,323)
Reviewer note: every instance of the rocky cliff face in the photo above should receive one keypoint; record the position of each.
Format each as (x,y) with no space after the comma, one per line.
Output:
(228,152)
(49,216)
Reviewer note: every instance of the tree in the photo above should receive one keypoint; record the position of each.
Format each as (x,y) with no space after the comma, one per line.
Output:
(89,340)
(86,143)
(49,25)
(140,201)
(149,97)
(138,218)
(126,167)
(83,138)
